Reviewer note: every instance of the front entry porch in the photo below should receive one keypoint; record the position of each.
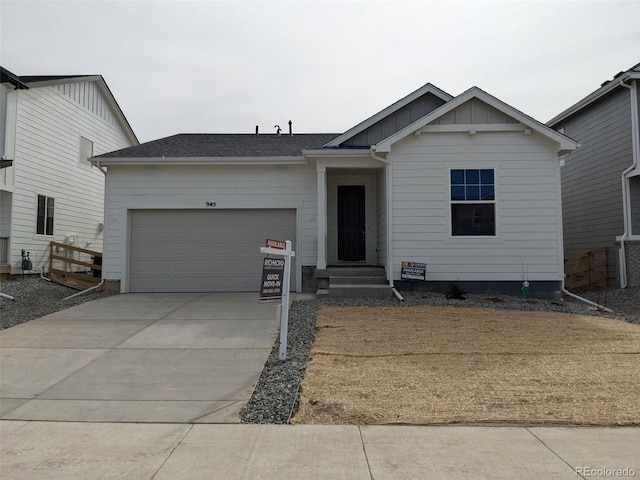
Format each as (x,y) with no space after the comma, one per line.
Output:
(352,231)
(352,282)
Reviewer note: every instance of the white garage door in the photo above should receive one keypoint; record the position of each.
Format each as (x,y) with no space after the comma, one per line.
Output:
(203,250)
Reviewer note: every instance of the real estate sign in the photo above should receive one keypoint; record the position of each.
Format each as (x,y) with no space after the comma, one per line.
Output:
(272,279)
(413,271)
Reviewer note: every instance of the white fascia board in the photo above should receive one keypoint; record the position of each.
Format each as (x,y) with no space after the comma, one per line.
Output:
(341,158)
(105,162)
(565,143)
(428,88)
(611,85)
(337,152)
(114,104)
(62,81)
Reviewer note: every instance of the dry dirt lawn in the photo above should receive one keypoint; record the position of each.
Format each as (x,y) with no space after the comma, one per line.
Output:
(438,365)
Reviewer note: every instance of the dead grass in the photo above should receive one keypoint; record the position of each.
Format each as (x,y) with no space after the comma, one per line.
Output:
(433,365)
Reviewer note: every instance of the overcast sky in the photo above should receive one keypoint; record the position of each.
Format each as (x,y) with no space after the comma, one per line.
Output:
(225,67)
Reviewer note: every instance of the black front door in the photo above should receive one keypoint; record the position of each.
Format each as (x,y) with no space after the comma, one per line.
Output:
(351,223)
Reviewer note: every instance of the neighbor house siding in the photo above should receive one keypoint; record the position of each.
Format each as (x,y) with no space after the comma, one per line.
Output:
(190,187)
(591,176)
(47,142)
(527,208)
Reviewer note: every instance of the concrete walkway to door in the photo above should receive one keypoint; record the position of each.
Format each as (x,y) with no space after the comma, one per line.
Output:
(174,358)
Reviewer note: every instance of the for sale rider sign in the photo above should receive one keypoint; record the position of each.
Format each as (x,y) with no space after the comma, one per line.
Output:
(272,279)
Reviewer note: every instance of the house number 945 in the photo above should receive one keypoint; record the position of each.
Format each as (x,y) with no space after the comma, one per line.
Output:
(210,204)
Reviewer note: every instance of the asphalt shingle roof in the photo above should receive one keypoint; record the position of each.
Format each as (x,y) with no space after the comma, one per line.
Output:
(191,145)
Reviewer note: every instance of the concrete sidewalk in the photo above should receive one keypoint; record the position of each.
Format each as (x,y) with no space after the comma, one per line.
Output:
(176,358)
(52,450)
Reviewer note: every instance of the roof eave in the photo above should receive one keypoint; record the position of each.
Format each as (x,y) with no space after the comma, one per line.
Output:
(13,79)
(589,99)
(337,152)
(131,161)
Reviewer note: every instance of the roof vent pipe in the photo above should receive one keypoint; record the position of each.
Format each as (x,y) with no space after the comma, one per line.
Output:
(256,129)
(290,130)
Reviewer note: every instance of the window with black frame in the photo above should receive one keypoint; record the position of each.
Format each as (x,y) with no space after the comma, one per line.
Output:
(473,202)
(44,219)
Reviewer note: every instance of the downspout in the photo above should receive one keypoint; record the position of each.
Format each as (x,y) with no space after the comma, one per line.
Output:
(389,221)
(582,299)
(95,287)
(563,289)
(626,195)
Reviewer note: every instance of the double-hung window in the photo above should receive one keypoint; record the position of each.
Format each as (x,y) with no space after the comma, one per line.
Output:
(44,219)
(473,202)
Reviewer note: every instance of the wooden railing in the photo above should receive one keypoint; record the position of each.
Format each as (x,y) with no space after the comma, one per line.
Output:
(63,256)
(586,270)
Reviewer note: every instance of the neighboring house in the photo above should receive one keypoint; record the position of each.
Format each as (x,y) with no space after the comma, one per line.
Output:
(468,185)
(49,127)
(601,180)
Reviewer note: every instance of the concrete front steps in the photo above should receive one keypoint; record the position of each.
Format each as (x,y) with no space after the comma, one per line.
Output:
(352,282)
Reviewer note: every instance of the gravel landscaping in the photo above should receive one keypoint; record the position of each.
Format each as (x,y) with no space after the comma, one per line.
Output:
(35,298)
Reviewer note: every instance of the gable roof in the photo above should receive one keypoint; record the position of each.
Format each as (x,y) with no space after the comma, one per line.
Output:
(394,107)
(36,81)
(632,74)
(222,145)
(566,144)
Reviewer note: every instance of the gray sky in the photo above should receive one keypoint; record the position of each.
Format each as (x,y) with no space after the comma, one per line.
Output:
(224,67)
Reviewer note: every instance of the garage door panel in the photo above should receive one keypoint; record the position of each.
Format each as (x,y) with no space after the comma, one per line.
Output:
(203,250)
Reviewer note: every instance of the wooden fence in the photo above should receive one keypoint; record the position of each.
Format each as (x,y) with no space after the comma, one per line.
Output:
(586,270)
(64,267)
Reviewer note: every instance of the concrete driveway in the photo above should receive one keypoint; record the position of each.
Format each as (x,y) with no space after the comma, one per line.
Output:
(176,358)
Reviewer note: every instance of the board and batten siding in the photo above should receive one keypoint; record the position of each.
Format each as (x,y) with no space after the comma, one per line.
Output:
(191,187)
(591,183)
(48,128)
(527,207)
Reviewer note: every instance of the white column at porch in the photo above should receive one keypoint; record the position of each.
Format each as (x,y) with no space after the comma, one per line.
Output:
(322,217)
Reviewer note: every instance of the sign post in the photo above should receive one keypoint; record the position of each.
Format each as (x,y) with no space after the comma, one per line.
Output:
(270,284)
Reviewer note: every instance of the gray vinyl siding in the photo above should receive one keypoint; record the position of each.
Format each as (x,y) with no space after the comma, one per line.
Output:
(382,217)
(395,122)
(527,207)
(591,176)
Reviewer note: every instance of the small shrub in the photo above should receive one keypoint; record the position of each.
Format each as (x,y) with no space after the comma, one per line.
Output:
(456,292)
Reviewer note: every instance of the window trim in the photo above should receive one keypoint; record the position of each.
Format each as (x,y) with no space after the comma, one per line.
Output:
(47,200)
(82,160)
(493,202)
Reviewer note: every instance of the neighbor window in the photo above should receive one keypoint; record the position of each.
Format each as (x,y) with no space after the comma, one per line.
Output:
(44,222)
(473,202)
(86,151)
